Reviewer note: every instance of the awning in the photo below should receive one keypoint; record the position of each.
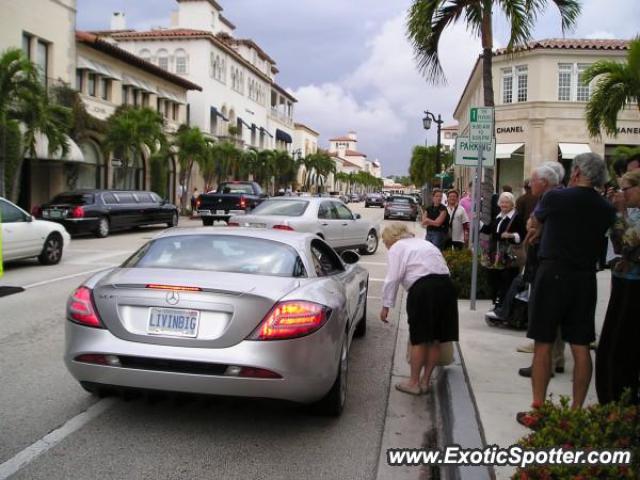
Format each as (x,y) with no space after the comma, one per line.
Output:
(241,121)
(505,150)
(169,96)
(42,150)
(570,150)
(139,84)
(265,131)
(97,67)
(283,136)
(215,111)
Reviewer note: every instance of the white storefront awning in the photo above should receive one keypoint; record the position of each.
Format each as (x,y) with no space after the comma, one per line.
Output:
(139,84)
(570,150)
(169,96)
(97,67)
(42,150)
(505,150)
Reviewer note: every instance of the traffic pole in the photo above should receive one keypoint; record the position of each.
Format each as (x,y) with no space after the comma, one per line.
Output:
(477,193)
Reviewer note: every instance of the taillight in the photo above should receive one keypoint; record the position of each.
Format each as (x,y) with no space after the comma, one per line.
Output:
(250,372)
(174,288)
(77,212)
(233,224)
(99,359)
(291,319)
(198,202)
(283,227)
(36,211)
(82,310)
(243,202)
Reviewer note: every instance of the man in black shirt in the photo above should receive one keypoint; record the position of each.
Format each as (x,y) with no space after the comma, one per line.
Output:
(564,290)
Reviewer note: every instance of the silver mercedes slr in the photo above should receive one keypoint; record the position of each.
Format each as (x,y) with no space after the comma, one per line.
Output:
(227,311)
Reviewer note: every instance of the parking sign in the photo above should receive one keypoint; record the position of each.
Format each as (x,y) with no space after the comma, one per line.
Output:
(481,125)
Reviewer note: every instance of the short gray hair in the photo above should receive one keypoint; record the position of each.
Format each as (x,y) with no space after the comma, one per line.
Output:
(591,166)
(547,173)
(558,168)
(508,196)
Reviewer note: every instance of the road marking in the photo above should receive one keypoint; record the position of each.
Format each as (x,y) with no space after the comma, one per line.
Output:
(376,280)
(377,264)
(21,459)
(67,277)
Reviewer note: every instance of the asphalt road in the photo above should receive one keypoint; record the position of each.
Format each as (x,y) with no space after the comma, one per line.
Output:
(169,437)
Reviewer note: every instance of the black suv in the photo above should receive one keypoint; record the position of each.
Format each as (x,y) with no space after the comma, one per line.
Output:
(102,211)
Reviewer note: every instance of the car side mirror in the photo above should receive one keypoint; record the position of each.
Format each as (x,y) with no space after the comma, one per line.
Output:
(357,216)
(350,257)
(29,218)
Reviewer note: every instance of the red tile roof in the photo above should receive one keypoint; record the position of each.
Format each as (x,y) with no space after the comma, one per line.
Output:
(95,42)
(162,33)
(342,139)
(571,44)
(344,161)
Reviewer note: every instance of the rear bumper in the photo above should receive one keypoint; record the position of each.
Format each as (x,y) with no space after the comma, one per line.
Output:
(78,225)
(308,365)
(400,214)
(220,216)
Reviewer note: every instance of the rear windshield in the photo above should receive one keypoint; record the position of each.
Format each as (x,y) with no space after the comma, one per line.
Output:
(236,188)
(400,200)
(73,198)
(219,253)
(285,208)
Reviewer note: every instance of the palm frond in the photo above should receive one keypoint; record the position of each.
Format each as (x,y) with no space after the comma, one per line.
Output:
(569,11)
(520,21)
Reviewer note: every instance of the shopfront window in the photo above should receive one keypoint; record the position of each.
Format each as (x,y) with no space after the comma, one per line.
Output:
(128,177)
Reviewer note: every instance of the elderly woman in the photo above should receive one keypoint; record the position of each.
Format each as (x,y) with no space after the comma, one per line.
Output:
(617,358)
(432,304)
(506,229)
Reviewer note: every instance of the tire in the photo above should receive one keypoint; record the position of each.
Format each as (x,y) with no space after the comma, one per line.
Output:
(207,222)
(51,250)
(95,389)
(372,244)
(333,402)
(386,217)
(104,227)
(366,206)
(361,327)
(174,220)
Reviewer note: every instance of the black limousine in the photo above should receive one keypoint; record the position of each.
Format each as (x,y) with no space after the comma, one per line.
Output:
(102,211)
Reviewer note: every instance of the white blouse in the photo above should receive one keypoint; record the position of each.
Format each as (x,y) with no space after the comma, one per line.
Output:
(409,260)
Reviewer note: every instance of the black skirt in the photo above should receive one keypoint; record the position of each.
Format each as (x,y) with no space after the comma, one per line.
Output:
(432,309)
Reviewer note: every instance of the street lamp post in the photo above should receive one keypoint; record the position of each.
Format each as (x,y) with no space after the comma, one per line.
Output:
(426,123)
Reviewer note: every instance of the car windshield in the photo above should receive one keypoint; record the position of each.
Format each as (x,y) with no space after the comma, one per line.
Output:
(402,200)
(73,198)
(219,253)
(285,208)
(236,188)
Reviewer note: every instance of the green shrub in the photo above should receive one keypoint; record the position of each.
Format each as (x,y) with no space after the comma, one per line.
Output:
(460,266)
(615,426)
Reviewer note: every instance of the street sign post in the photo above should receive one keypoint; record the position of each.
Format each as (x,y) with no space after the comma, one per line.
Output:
(481,144)
(467,153)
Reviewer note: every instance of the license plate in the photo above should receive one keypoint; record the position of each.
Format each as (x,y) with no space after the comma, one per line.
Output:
(204,213)
(220,212)
(55,214)
(258,225)
(237,212)
(173,322)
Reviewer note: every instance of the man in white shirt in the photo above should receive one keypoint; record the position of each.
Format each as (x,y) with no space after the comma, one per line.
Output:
(458,222)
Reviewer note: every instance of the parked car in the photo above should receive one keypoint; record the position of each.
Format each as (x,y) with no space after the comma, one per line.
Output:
(231,198)
(238,312)
(401,207)
(25,237)
(325,217)
(374,200)
(101,212)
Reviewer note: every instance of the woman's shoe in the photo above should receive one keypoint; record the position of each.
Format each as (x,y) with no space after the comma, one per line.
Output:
(532,420)
(410,389)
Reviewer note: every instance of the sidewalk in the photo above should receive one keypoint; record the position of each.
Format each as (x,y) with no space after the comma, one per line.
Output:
(492,366)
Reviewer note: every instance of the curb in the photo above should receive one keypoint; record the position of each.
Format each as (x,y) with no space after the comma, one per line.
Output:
(458,419)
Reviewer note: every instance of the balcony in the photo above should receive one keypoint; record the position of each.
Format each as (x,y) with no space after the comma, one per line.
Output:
(281,116)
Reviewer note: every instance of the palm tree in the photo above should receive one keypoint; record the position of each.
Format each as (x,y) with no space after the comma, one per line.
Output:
(131,131)
(192,148)
(286,168)
(24,101)
(618,86)
(322,165)
(226,156)
(428,19)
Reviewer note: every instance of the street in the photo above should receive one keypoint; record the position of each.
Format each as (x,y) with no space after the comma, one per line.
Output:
(167,436)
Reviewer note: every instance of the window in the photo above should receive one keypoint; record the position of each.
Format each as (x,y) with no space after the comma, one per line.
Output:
(343,212)
(105,88)
(159,105)
(109,199)
(181,62)
(326,211)
(91,84)
(26,45)
(521,74)
(583,90)
(125,198)
(507,85)
(325,260)
(564,81)
(136,97)
(145,55)
(79,80)
(176,112)
(10,213)
(145,99)
(42,60)
(163,59)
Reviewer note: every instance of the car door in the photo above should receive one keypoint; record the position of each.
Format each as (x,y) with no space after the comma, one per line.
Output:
(352,233)
(20,238)
(127,212)
(149,211)
(330,225)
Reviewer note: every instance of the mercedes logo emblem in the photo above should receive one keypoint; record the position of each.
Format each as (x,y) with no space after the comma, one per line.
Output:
(172,298)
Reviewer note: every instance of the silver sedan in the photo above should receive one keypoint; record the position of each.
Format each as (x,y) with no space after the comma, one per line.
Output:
(328,218)
(237,312)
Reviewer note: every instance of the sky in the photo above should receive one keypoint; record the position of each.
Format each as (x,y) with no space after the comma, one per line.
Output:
(349,64)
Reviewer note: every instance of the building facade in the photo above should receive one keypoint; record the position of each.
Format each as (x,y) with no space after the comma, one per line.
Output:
(240,100)
(540,105)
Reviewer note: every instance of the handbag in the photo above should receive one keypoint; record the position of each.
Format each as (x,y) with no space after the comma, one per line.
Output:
(507,254)
(446,353)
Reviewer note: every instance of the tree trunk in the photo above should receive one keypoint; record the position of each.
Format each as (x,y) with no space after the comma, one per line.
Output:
(486,33)
(3,152)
